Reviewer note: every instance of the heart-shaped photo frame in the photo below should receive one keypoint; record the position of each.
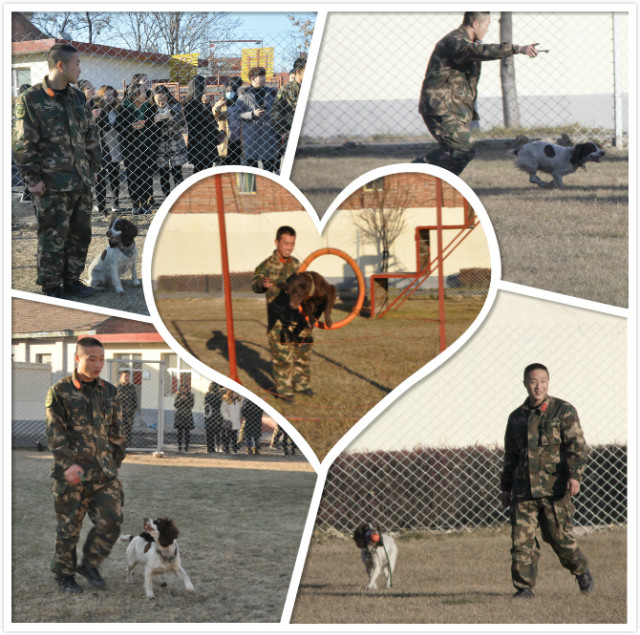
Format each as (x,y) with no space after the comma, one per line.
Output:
(398,270)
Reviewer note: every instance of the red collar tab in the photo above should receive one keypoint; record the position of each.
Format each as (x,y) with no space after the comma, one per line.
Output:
(284,261)
(544,406)
(47,90)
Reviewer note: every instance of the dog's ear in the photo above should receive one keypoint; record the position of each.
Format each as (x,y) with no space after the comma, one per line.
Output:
(129,232)
(168,531)
(581,151)
(359,535)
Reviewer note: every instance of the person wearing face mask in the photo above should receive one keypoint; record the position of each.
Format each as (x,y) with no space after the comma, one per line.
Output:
(450,88)
(201,127)
(259,136)
(225,111)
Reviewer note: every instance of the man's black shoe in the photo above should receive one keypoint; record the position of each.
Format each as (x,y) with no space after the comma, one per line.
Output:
(55,292)
(308,392)
(585,582)
(523,594)
(421,160)
(79,289)
(68,584)
(287,398)
(92,575)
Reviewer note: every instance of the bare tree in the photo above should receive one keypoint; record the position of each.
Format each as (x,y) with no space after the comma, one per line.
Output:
(301,40)
(510,110)
(137,31)
(95,23)
(57,24)
(381,219)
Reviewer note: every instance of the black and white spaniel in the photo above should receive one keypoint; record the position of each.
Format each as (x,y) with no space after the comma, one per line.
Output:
(555,160)
(120,256)
(378,552)
(156,548)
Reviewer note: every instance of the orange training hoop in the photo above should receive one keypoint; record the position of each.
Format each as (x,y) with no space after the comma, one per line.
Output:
(361,286)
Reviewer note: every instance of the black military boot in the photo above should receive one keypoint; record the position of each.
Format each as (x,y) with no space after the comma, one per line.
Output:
(523,594)
(78,289)
(68,584)
(55,292)
(92,575)
(585,582)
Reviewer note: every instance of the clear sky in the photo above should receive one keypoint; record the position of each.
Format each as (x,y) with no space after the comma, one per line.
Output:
(258,23)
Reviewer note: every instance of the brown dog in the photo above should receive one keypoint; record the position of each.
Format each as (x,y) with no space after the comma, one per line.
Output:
(313,293)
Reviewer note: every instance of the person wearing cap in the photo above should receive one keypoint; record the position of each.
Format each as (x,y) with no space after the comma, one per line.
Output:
(83,418)
(56,147)
(450,88)
(286,102)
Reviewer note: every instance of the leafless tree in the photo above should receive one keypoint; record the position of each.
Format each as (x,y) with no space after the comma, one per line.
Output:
(301,41)
(381,219)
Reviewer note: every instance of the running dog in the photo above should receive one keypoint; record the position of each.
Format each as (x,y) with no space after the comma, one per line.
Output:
(555,160)
(378,552)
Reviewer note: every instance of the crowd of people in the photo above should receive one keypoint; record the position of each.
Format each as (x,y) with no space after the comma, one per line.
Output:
(70,144)
(149,132)
(230,421)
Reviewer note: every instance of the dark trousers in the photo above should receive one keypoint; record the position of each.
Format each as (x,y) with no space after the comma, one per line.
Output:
(110,172)
(165,174)
(184,434)
(139,179)
(230,440)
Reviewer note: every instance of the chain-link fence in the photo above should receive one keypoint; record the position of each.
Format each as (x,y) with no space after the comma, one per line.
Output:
(154,416)
(433,460)
(159,117)
(367,79)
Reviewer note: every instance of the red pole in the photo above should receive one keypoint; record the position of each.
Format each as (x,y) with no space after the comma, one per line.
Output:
(443,339)
(231,338)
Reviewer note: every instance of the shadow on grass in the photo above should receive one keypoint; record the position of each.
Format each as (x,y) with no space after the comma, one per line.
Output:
(453,598)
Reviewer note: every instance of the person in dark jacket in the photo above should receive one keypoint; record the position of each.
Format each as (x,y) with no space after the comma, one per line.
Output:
(135,126)
(203,135)
(253,426)
(213,418)
(183,418)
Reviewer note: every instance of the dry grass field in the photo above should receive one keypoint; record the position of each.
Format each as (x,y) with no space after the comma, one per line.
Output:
(460,579)
(572,241)
(226,510)
(24,245)
(351,368)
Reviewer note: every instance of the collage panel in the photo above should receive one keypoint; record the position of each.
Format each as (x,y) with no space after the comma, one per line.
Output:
(189,459)
(419,491)
(112,111)
(472,108)
(397,275)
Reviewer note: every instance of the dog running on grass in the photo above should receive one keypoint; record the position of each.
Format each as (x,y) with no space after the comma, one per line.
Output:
(156,548)
(378,552)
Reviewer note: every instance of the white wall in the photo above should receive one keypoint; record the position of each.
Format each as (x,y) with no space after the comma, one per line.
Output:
(188,244)
(468,399)
(29,387)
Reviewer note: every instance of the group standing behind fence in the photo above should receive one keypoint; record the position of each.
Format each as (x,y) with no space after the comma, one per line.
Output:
(68,145)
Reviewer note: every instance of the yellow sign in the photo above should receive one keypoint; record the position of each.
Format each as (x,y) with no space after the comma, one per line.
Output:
(183,68)
(262,57)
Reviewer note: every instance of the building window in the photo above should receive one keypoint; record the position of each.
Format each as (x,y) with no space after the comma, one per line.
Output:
(376,185)
(20,76)
(176,373)
(43,358)
(247,183)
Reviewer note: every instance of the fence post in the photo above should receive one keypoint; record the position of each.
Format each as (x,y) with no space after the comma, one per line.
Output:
(161,378)
(443,338)
(617,92)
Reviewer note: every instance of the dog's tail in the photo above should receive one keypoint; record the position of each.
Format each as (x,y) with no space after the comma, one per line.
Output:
(126,538)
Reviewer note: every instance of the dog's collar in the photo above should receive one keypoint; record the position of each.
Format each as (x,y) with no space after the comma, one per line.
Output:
(313,286)
(169,559)
(127,251)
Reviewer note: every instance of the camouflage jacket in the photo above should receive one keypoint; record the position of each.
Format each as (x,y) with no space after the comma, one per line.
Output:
(285,107)
(543,448)
(277,271)
(450,84)
(55,139)
(83,427)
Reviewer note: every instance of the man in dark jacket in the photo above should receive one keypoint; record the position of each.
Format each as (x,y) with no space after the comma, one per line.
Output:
(544,458)
(450,88)
(56,147)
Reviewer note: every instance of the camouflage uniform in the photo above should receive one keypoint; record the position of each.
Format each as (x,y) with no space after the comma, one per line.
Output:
(449,90)
(291,362)
(285,107)
(56,140)
(83,427)
(128,397)
(544,448)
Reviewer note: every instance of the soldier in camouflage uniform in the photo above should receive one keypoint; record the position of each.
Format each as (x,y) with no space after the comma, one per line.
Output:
(544,459)
(56,147)
(450,88)
(128,398)
(291,361)
(83,430)
(286,102)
